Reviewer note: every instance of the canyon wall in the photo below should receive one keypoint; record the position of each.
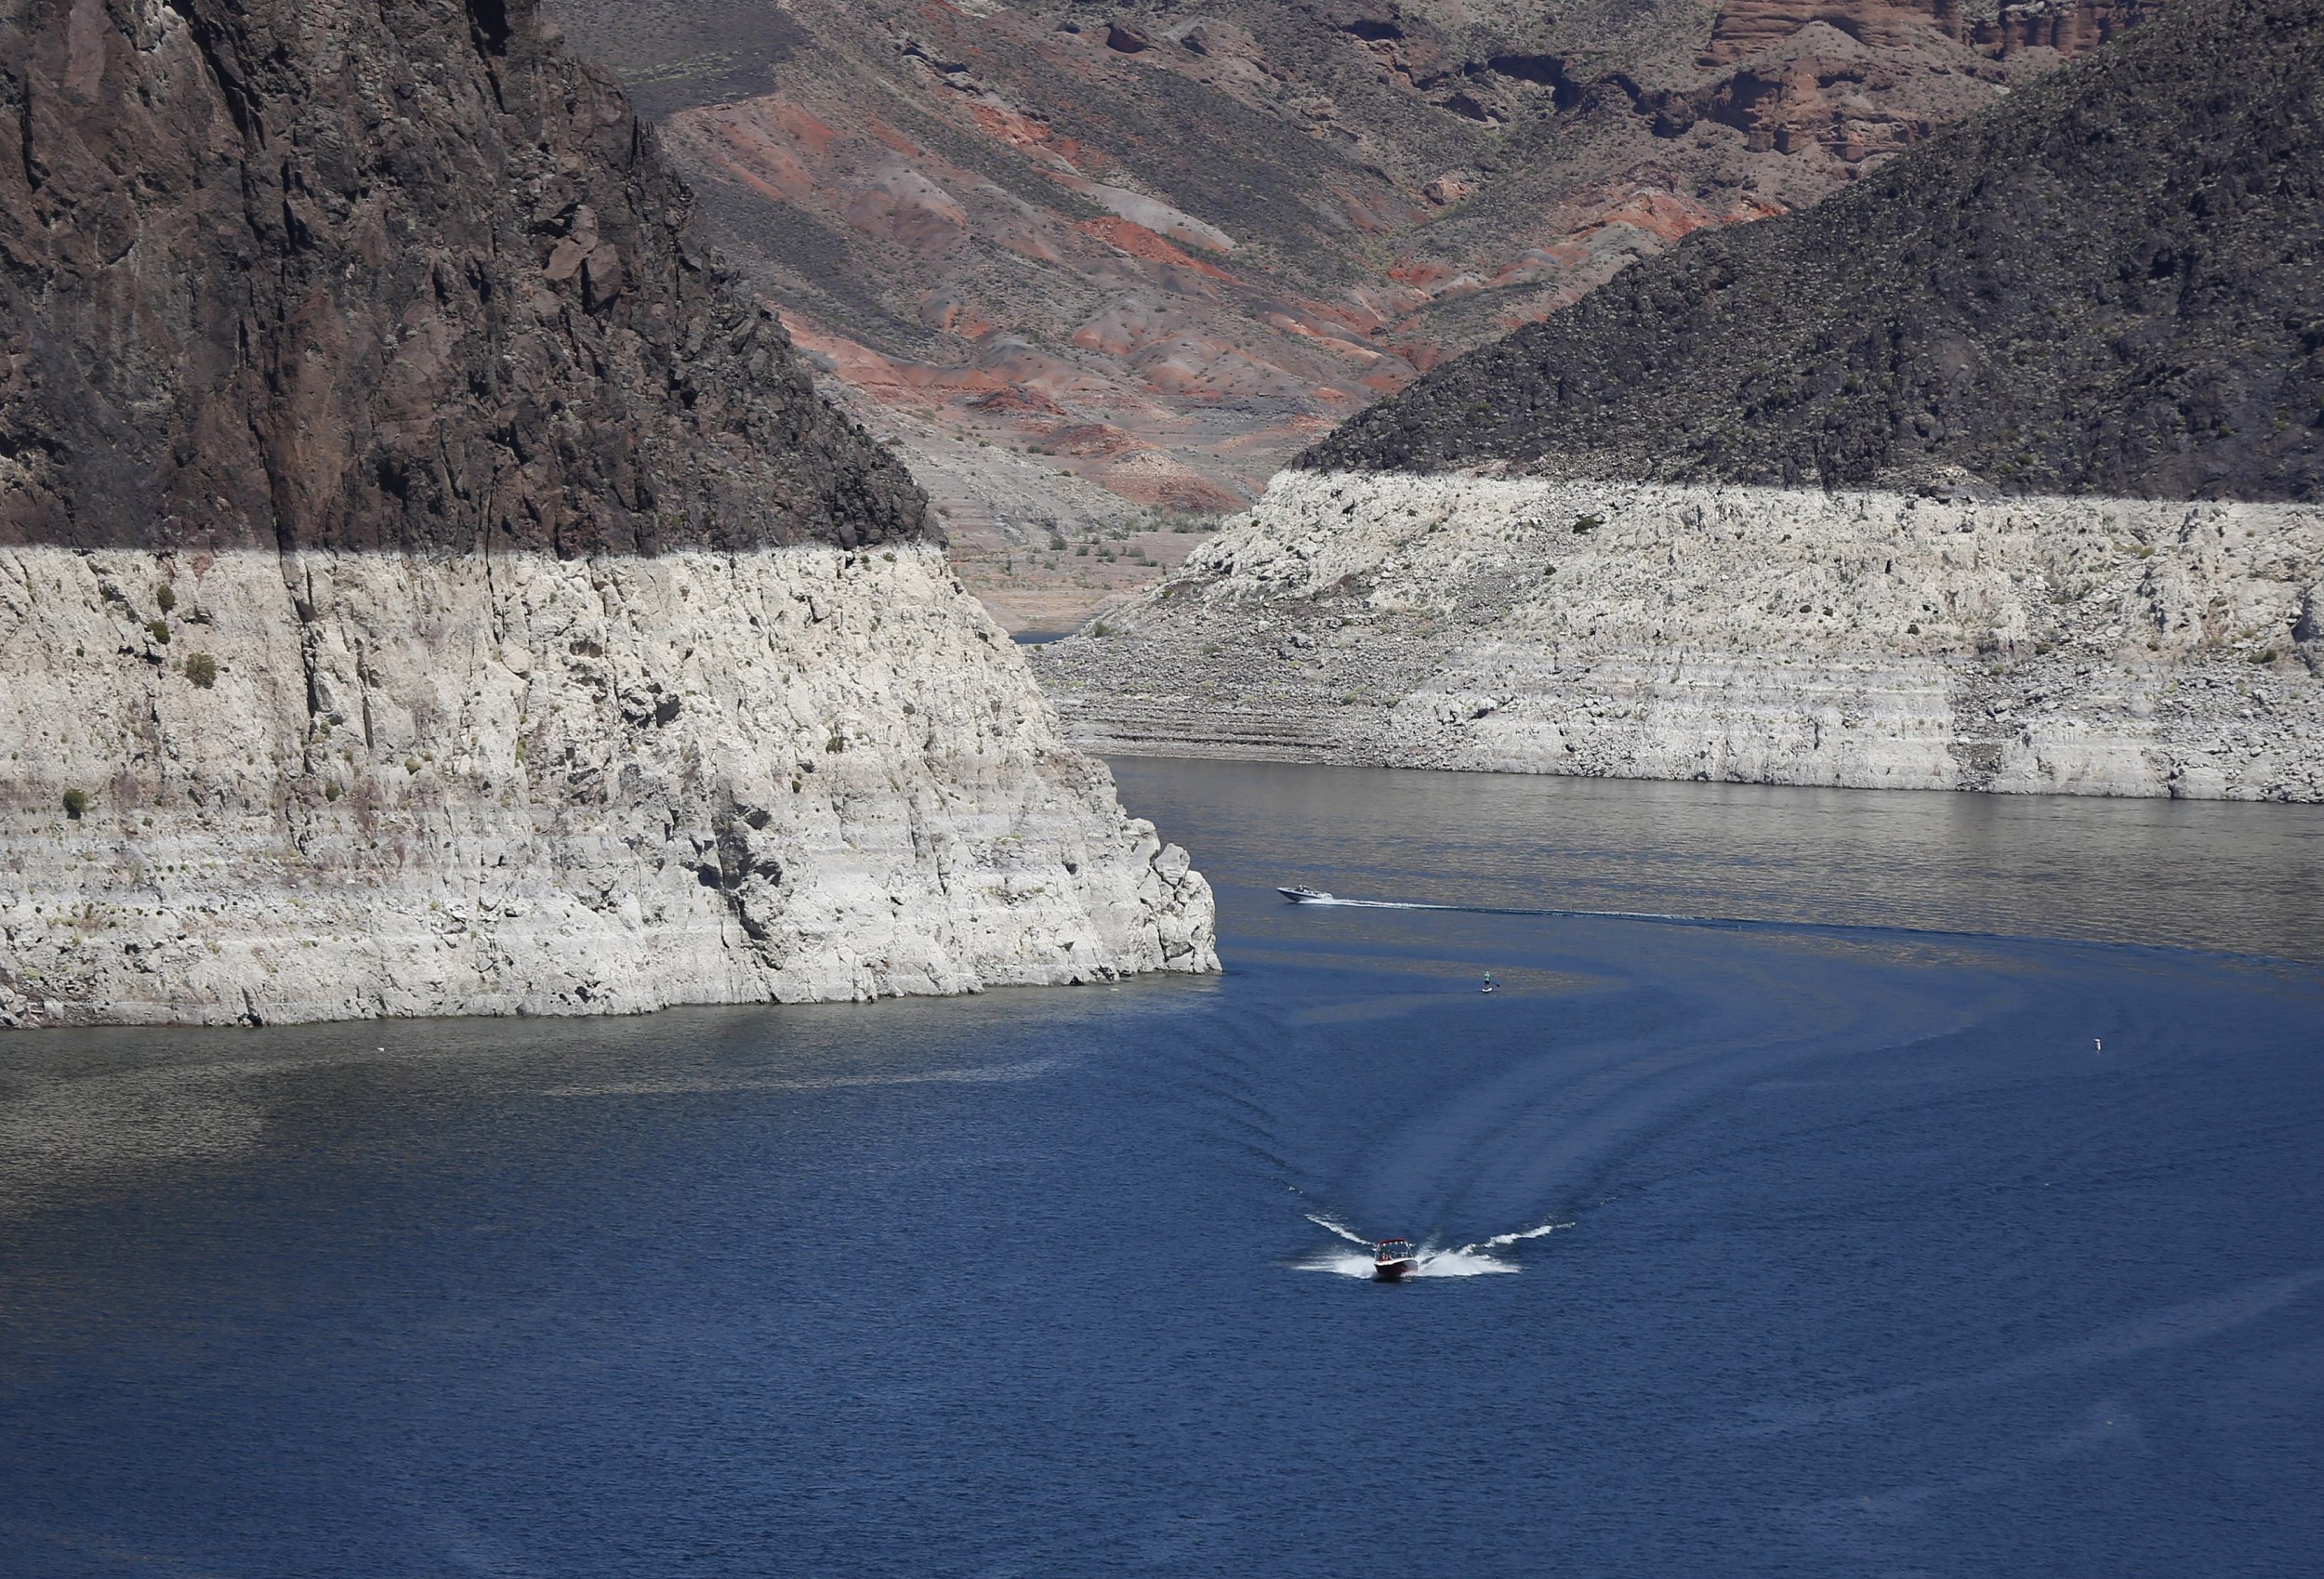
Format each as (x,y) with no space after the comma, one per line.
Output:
(1735,634)
(429,584)
(334,784)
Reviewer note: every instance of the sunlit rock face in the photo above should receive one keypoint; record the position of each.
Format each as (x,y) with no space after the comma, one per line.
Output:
(1732,634)
(331,784)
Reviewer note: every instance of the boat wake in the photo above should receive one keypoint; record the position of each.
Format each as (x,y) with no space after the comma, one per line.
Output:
(1332,902)
(1436,1261)
(1666,918)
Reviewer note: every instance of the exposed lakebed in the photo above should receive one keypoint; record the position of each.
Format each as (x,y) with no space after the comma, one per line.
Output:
(1951,1208)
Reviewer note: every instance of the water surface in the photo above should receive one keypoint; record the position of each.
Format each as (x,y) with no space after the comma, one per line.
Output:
(1939,1222)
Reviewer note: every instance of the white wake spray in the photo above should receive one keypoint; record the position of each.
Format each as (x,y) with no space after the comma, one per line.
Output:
(1463,1261)
(1341,1228)
(1501,1239)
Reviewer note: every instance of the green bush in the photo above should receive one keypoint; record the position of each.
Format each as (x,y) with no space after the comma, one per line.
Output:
(165,600)
(1588,522)
(202,669)
(1101,628)
(159,631)
(76,802)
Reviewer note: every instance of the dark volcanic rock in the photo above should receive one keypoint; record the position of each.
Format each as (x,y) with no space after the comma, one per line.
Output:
(377,273)
(2108,283)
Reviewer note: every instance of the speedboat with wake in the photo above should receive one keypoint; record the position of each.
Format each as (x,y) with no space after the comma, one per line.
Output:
(1394,1259)
(1299,894)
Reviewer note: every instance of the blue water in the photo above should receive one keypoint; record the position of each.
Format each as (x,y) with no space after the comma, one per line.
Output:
(1874,1262)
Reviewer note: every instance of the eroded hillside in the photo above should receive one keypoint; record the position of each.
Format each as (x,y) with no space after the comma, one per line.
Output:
(1079,259)
(2105,285)
(1997,472)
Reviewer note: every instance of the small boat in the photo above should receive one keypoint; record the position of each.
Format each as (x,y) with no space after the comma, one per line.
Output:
(1394,1259)
(1299,895)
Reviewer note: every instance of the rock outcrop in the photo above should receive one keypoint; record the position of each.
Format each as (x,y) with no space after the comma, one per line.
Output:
(426,586)
(2104,285)
(2068,27)
(1746,634)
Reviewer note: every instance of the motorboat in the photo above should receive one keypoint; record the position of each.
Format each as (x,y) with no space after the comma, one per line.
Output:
(1297,894)
(1394,1259)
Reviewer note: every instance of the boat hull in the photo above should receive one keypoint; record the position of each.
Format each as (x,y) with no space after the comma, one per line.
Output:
(1393,1271)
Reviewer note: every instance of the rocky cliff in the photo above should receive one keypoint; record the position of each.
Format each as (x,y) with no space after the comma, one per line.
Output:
(2104,285)
(427,587)
(1746,634)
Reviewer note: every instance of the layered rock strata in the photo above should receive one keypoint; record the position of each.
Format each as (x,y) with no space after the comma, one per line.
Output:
(1732,634)
(256,788)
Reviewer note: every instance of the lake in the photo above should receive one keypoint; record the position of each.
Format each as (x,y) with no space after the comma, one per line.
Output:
(1935,1189)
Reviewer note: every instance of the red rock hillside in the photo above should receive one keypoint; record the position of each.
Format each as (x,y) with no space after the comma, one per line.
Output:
(1078,259)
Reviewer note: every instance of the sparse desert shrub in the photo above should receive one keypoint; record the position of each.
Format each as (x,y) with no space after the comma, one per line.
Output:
(411,764)
(159,631)
(1588,522)
(1101,628)
(202,669)
(75,803)
(165,600)
(837,742)
(331,790)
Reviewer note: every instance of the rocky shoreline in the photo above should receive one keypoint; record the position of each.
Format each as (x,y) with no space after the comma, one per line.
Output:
(1732,634)
(245,787)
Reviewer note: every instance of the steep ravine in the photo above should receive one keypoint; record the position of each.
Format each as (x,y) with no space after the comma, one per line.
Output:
(1732,634)
(428,585)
